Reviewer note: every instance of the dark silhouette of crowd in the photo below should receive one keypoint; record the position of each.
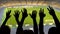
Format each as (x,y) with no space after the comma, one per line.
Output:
(4,29)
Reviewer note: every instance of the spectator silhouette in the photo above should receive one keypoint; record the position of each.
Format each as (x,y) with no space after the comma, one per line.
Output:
(54,30)
(19,28)
(42,15)
(24,14)
(20,23)
(33,16)
(4,29)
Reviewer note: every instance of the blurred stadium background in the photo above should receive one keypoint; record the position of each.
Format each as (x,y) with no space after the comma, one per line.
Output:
(5,4)
(55,3)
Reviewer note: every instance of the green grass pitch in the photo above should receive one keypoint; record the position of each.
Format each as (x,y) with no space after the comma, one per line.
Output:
(48,19)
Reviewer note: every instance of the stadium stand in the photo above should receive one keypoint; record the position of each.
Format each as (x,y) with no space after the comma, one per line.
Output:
(29,2)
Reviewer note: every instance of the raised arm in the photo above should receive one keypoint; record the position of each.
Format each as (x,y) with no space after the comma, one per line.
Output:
(17,16)
(33,16)
(7,17)
(52,13)
(24,15)
(42,15)
(20,24)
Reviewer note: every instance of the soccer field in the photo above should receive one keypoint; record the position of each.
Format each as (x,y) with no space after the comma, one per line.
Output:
(47,20)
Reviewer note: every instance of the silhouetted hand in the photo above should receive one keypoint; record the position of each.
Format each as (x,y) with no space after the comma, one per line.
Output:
(17,14)
(51,11)
(33,16)
(56,21)
(41,13)
(8,14)
(24,14)
(34,13)
(7,17)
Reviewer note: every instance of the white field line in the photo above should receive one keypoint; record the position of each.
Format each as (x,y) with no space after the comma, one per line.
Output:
(31,28)
(44,24)
(51,23)
(49,20)
(16,25)
(10,26)
(27,25)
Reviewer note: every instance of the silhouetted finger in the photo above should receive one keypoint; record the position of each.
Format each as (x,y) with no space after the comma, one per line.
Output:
(48,9)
